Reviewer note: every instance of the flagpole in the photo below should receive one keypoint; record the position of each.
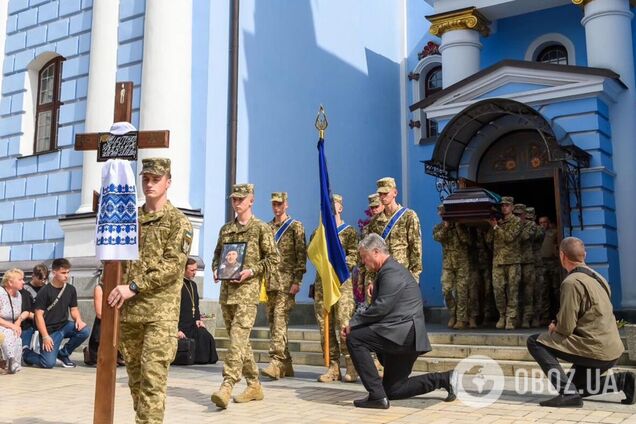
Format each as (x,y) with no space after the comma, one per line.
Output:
(321,125)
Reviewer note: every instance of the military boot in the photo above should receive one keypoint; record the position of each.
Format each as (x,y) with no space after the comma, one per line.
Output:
(501,323)
(252,392)
(351,375)
(274,370)
(451,322)
(525,323)
(221,397)
(459,325)
(472,323)
(288,369)
(511,323)
(332,374)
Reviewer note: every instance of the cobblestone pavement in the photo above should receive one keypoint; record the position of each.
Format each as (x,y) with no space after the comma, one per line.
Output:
(64,396)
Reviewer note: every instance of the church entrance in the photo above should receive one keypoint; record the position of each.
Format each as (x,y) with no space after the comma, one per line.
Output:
(517,164)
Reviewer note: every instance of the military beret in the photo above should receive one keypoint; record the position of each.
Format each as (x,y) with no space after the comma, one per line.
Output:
(374,200)
(385,184)
(519,208)
(508,200)
(337,198)
(242,190)
(155,166)
(279,196)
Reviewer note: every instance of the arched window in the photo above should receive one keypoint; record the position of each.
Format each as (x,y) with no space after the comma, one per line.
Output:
(48,105)
(432,84)
(555,54)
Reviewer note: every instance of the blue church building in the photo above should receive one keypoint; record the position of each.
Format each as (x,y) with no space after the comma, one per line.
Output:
(533,99)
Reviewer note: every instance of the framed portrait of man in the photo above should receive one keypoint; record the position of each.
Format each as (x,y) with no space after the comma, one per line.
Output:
(232,257)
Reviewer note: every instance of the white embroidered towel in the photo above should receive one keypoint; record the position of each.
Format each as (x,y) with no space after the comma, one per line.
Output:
(117,226)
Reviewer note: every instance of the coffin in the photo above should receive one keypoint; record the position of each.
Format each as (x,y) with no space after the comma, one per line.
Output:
(473,205)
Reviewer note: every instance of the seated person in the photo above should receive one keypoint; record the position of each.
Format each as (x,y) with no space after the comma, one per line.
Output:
(190,324)
(39,278)
(10,318)
(393,327)
(585,333)
(52,306)
(90,351)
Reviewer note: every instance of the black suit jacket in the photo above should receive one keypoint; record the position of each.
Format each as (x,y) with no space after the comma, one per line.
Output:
(396,307)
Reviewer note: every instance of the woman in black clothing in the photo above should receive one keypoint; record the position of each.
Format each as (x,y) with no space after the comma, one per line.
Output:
(90,352)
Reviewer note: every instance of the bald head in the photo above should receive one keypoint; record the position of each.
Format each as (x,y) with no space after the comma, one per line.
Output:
(573,249)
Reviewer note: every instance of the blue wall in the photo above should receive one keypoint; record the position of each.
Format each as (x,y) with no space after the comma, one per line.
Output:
(295,56)
(514,35)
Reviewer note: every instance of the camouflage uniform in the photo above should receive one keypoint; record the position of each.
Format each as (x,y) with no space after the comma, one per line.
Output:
(367,277)
(506,270)
(455,242)
(527,266)
(538,266)
(343,310)
(293,255)
(149,319)
(483,275)
(239,300)
(551,276)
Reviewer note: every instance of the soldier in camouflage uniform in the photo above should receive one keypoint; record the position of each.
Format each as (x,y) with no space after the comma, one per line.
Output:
(482,276)
(376,207)
(506,264)
(239,298)
(455,243)
(538,265)
(549,297)
(289,235)
(404,239)
(528,275)
(343,310)
(150,298)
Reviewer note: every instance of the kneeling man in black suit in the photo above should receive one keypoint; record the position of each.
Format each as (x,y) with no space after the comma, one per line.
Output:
(393,327)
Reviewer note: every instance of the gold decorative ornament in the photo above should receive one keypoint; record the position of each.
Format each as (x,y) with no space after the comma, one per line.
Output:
(321,123)
(469,18)
(581,2)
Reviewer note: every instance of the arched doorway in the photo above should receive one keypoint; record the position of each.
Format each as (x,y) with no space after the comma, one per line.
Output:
(517,164)
(510,148)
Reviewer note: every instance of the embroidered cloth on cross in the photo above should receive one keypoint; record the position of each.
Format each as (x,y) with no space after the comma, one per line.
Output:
(117,226)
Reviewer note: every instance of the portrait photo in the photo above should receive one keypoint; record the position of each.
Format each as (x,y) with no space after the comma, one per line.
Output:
(232,256)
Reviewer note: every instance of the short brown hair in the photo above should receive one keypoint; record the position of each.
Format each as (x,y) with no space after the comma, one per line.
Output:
(573,249)
(60,263)
(191,261)
(41,271)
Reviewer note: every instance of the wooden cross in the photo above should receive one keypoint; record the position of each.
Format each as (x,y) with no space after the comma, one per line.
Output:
(109,336)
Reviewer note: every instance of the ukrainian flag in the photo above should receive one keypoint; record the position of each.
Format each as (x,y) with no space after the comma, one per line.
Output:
(325,250)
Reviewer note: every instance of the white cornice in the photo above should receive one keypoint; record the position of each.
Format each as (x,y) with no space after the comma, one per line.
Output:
(561,86)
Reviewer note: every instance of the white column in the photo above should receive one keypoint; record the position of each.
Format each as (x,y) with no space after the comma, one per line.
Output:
(608,35)
(166,88)
(460,51)
(102,75)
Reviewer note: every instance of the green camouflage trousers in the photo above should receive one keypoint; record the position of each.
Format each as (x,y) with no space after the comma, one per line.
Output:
(528,278)
(279,305)
(455,287)
(148,349)
(339,316)
(505,284)
(541,295)
(552,281)
(486,302)
(239,359)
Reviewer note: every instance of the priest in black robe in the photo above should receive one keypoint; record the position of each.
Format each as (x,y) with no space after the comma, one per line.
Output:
(190,324)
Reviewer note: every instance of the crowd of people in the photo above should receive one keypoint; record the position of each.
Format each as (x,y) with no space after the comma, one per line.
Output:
(379,339)
(504,273)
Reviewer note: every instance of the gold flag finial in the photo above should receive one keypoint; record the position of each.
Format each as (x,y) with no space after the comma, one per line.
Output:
(321,122)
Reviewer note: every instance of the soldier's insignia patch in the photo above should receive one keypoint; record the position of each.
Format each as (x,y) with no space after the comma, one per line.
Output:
(187,242)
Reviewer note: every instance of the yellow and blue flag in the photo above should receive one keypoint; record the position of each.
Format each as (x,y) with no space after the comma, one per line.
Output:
(325,250)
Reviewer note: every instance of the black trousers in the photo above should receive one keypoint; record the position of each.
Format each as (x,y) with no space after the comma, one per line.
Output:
(583,378)
(397,361)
